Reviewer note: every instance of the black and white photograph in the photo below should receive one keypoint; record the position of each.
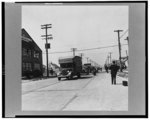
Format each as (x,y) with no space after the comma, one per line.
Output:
(75,58)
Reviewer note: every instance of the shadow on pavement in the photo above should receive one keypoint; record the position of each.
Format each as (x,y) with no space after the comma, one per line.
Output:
(76,78)
(124,83)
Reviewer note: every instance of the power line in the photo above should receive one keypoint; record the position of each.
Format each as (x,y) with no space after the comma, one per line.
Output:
(86,49)
(58,52)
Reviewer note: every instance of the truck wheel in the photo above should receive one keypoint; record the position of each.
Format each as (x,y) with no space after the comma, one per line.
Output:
(59,78)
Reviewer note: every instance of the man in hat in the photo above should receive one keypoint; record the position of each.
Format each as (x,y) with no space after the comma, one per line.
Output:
(114,69)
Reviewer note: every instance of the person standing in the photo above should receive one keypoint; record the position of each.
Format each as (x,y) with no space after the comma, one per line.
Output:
(106,68)
(114,69)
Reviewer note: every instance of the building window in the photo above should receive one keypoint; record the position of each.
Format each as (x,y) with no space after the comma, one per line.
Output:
(37,66)
(29,52)
(24,66)
(36,54)
(26,52)
(27,67)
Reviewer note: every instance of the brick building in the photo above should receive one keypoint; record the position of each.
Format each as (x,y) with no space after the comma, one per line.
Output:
(31,56)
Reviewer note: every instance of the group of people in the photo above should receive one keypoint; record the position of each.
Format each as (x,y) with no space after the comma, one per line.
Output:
(114,69)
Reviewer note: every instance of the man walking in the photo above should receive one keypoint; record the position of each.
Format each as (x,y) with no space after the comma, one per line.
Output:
(114,68)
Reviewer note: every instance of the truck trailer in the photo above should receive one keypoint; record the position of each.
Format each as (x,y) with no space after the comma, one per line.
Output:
(70,67)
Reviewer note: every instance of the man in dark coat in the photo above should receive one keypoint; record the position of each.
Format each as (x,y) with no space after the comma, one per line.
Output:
(114,69)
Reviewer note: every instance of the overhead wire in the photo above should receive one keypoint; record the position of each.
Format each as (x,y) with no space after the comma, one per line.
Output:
(85,49)
(57,52)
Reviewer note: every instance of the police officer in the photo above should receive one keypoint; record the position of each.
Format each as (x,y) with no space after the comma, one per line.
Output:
(114,69)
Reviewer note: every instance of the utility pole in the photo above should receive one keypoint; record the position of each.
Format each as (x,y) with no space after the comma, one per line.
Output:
(108,59)
(126,50)
(127,40)
(73,49)
(47,45)
(81,54)
(127,57)
(110,56)
(119,45)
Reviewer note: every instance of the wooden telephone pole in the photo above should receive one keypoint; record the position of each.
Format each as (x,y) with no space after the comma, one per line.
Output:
(47,45)
(81,54)
(73,49)
(127,40)
(119,45)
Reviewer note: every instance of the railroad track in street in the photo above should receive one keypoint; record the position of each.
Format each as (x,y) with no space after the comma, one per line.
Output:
(51,84)
(39,88)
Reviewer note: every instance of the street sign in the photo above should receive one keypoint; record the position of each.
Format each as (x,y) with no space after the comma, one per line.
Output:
(47,46)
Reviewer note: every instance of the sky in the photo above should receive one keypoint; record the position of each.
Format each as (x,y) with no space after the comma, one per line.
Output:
(81,27)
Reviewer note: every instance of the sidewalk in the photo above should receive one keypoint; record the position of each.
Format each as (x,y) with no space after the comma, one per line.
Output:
(123,74)
(101,95)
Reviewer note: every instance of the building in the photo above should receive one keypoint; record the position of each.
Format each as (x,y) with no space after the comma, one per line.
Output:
(51,66)
(31,56)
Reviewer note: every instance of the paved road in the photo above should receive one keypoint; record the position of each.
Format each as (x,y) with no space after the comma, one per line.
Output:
(87,93)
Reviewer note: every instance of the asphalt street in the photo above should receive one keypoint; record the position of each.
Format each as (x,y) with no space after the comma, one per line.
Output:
(89,93)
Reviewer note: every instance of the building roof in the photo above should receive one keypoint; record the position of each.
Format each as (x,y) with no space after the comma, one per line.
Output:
(27,38)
